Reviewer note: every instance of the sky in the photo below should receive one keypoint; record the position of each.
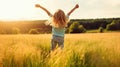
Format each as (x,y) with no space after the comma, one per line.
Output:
(25,9)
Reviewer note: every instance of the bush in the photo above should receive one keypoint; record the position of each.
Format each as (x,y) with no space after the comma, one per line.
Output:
(115,25)
(75,27)
(101,29)
(67,30)
(82,29)
(33,31)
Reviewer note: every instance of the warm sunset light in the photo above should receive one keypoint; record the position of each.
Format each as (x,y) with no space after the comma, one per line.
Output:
(25,9)
(17,9)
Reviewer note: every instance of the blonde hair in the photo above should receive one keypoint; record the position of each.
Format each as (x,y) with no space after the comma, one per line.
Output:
(59,19)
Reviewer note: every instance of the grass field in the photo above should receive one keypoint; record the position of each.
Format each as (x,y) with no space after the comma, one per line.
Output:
(81,50)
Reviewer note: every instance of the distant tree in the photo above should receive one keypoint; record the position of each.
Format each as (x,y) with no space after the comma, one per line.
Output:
(101,29)
(75,27)
(33,31)
(115,25)
(82,29)
(67,30)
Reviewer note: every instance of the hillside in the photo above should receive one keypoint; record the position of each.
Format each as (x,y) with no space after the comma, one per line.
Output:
(8,27)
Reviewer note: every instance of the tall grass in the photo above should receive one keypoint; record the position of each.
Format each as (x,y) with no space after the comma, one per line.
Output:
(81,50)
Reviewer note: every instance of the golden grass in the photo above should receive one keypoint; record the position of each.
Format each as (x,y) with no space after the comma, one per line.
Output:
(85,50)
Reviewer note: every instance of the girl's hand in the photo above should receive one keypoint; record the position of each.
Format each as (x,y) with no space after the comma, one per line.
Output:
(37,5)
(76,6)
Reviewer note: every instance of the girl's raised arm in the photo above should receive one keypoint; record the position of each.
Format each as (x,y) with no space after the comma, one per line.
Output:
(39,6)
(76,6)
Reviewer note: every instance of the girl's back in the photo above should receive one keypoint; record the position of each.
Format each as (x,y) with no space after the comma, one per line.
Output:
(59,22)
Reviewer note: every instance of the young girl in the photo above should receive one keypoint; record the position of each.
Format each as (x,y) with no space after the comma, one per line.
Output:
(58,23)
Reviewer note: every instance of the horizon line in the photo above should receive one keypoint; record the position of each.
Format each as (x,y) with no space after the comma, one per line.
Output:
(47,19)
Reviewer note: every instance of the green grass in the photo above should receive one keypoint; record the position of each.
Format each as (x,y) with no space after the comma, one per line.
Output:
(104,30)
(81,50)
(93,31)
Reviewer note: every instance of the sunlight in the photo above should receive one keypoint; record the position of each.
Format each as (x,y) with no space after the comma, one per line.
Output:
(25,9)
(16,9)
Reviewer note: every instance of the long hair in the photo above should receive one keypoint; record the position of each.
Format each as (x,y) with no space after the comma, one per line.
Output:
(59,19)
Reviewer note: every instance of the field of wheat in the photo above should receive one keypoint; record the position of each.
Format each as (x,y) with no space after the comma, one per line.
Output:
(80,50)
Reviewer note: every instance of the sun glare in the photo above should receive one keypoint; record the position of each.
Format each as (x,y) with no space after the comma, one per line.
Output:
(16,9)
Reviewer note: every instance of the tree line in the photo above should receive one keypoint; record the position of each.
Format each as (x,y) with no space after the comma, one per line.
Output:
(74,26)
(112,24)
